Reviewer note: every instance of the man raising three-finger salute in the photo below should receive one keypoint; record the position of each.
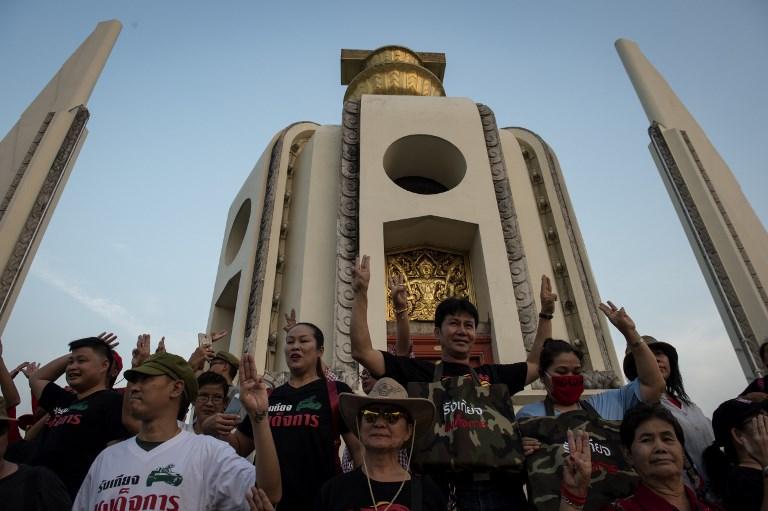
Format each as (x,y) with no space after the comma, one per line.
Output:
(164,467)
(83,422)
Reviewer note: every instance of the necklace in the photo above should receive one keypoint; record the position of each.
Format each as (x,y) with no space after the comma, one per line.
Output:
(370,489)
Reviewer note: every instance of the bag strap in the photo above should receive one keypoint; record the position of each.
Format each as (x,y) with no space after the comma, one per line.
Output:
(439,372)
(333,398)
(416,498)
(587,407)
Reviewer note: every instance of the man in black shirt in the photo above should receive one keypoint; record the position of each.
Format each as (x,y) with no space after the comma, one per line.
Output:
(455,329)
(82,422)
(23,487)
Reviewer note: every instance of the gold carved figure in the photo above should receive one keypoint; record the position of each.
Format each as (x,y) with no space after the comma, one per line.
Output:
(429,276)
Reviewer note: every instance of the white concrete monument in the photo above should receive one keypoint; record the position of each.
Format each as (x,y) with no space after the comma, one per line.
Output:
(37,156)
(431,189)
(727,237)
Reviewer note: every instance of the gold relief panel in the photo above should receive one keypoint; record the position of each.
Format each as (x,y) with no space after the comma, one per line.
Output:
(430,276)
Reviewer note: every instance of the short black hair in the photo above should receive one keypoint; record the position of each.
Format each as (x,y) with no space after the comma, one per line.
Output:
(100,347)
(211,378)
(641,414)
(316,332)
(454,306)
(551,349)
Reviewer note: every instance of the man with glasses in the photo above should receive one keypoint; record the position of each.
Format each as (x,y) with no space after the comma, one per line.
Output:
(211,399)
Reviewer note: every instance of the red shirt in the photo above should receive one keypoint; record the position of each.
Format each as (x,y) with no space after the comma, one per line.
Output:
(644,499)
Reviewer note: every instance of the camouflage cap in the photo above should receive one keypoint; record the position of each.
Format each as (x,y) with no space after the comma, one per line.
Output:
(387,391)
(169,365)
(227,357)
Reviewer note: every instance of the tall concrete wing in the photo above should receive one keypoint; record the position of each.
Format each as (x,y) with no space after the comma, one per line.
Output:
(437,194)
(37,155)
(730,242)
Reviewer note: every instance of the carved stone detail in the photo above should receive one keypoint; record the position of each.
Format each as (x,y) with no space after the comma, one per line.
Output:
(731,229)
(696,223)
(25,163)
(39,209)
(430,276)
(518,267)
(347,241)
(578,253)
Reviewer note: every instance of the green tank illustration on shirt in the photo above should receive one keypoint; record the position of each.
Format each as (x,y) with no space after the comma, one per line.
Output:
(311,403)
(164,475)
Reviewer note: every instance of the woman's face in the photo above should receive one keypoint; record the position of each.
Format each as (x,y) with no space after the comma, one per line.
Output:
(663,362)
(564,364)
(383,430)
(656,452)
(301,353)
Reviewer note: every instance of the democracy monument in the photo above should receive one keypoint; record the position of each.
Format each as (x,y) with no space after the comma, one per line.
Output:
(433,189)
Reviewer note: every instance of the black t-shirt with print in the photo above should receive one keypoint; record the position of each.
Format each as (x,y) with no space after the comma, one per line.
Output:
(349,492)
(405,369)
(301,425)
(76,432)
(744,489)
(34,488)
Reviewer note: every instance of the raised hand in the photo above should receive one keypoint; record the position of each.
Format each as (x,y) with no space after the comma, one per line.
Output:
(253,390)
(109,339)
(398,292)
(258,501)
(530,445)
(290,321)
(756,439)
(29,369)
(199,356)
(548,298)
(160,346)
(618,317)
(577,471)
(215,336)
(141,352)
(361,274)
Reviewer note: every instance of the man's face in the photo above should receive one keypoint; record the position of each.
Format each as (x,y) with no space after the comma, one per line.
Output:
(86,369)
(656,452)
(211,400)
(457,335)
(152,396)
(220,366)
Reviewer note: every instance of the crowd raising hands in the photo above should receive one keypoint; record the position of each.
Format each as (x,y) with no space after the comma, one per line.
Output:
(208,432)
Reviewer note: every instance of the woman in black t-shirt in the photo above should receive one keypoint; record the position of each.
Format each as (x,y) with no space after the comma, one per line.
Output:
(738,459)
(305,422)
(386,420)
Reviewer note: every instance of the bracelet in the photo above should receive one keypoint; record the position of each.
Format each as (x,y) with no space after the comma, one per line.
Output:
(257,417)
(546,316)
(400,311)
(571,498)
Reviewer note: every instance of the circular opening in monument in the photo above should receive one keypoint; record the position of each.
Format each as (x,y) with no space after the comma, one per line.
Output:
(424,164)
(237,231)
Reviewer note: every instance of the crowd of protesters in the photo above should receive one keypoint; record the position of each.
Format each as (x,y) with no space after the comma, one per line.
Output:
(209,433)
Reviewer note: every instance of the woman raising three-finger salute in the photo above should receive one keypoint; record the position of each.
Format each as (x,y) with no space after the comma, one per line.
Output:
(577,472)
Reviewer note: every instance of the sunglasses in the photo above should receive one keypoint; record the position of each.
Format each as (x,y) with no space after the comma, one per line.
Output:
(390,416)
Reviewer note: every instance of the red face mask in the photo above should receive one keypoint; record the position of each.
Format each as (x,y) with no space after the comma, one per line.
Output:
(567,389)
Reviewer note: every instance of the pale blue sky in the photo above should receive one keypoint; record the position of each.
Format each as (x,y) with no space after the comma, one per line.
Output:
(193,92)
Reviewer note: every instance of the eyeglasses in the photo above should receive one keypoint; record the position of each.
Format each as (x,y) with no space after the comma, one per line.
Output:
(216,400)
(391,417)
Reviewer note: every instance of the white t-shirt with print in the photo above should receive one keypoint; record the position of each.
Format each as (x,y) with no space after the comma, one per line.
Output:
(187,472)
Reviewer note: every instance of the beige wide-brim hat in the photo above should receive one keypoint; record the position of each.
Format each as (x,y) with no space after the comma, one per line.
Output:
(387,391)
